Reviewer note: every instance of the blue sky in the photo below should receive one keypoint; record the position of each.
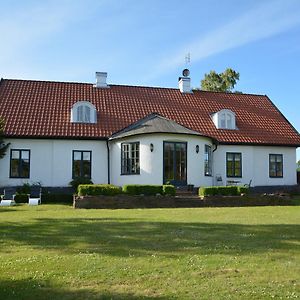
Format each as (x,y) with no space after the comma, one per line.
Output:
(145,42)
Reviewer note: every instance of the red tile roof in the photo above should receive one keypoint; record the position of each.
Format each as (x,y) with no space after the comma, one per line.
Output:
(43,109)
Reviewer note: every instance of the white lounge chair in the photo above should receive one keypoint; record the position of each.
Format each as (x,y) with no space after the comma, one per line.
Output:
(7,202)
(35,200)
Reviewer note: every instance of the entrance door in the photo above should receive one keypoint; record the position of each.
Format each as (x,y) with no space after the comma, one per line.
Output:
(175,163)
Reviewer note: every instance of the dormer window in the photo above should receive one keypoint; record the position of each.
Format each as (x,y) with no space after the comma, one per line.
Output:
(224,119)
(83,112)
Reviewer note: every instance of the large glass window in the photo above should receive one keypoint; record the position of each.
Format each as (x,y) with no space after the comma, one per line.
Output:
(130,158)
(82,161)
(233,164)
(276,165)
(207,161)
(19,163)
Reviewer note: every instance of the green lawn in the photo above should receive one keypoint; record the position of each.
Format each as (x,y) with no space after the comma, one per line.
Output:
(56,252)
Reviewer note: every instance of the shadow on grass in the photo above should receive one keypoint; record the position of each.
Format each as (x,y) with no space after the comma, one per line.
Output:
(124,237)
(33,289)
(6,209)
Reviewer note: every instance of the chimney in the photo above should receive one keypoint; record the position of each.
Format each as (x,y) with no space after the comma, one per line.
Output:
(101,80)
(184,82)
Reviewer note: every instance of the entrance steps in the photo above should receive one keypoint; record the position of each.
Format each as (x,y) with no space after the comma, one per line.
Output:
(188,191)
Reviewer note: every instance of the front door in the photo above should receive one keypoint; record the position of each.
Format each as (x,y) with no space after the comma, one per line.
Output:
(175,163)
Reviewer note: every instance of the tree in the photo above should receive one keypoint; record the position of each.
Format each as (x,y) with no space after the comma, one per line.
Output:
(222,82)
(3,146)
(298,163)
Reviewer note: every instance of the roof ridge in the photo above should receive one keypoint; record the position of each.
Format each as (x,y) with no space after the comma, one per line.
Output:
(230,93)
(134,86)
(46,81)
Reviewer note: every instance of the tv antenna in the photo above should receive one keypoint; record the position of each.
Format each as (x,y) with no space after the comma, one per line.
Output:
(187,58)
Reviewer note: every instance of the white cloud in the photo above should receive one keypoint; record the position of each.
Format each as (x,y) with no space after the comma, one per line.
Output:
(263,21)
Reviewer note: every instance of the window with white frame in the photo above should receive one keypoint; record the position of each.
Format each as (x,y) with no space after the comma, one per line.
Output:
(224,119)
(83,112)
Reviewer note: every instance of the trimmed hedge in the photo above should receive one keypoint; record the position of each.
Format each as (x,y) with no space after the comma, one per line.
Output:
(98,189)
(142,189)
(243,190)
(208,191)
(169,189)
(223,190)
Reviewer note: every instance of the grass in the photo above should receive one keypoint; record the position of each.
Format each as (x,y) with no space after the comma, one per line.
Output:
(56,252)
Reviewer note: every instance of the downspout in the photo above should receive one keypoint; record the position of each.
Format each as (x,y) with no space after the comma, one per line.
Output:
(216,147)
(108,162)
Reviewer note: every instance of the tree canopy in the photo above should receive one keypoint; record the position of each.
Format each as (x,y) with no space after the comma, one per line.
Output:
(3,146)
(220,82)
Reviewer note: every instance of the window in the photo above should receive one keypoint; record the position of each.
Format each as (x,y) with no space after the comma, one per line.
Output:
(19,163)
(229,121)
(276,165)
(233,164)
(82,164)
(83,112)
(224,119)
(130,158)
(207,161)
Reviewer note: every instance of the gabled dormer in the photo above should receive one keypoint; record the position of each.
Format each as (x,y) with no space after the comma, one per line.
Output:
(83,112)
(224,119)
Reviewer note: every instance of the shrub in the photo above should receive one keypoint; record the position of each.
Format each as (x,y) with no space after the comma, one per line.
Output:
(98,189)
(145,189)
(24,189)
(222,190)
(169,189)
(228,190)
(208,191)
(80,180)
(243,190)
(21,198)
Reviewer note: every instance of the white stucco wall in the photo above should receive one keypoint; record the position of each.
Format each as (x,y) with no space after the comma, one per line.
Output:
(151,163)
(51,161)
(255,164)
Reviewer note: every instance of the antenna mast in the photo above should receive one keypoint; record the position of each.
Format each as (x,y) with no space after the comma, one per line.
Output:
(187,58)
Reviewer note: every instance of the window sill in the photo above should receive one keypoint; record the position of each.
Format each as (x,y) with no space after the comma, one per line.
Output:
(125,174)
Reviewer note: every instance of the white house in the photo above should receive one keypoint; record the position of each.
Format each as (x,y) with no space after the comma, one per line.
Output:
(128,134)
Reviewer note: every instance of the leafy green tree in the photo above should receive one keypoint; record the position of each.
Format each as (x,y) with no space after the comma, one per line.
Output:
(3,146)
(298,163)
(220,82)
